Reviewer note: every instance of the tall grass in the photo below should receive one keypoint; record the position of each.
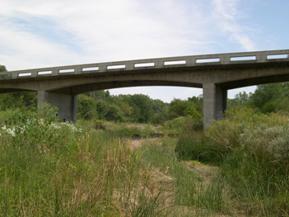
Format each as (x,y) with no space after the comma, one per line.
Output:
(252,151)
(189,191)
(49,168)
(53,169)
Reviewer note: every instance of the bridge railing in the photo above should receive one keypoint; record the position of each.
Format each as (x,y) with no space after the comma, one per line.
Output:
(156,63)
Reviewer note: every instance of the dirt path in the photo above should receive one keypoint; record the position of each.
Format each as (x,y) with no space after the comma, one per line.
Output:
(137,143)
(165,183)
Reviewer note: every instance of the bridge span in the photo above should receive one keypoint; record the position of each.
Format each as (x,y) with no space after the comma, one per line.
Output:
(215,73)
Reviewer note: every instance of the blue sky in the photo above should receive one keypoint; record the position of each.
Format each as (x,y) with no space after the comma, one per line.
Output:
(38,33)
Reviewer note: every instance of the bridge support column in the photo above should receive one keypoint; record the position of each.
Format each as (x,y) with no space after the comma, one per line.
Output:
(214,103)
(65,103)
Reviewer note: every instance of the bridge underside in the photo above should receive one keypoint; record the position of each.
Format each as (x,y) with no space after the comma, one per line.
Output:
(214,94)
(120,84)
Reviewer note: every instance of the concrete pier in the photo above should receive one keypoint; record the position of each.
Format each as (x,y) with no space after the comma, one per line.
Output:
(66,104)
(214,103)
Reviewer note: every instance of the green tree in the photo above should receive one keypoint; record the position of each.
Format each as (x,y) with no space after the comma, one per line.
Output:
(177,108)
(2,68)
(241,99)
(86,107)
(108,111)
(160,112)
(141,108)
(23,99)
(270,97)
(191,107)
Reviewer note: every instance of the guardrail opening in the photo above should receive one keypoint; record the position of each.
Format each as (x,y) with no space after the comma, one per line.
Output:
(89,69)
(116,67)
(243,58)
(277,56)
(24,74)
(208,60)
(44,73)
(175,62)
(144,65)
(66,70)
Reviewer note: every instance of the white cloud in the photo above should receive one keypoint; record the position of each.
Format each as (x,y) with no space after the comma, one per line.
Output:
(226,13)
(108,30)
(24,50)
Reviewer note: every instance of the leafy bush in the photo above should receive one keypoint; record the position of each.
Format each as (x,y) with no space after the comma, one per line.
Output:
(269,142)
(226,134)
(135,131)
(18,100)
(48,113)
(182,124)
(256,148)
(86,107)
(16,116)
(192,148)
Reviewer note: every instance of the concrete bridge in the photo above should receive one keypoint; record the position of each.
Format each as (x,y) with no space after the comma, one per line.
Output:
(215,73)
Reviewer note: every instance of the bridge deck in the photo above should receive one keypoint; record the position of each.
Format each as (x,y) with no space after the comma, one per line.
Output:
(157,63)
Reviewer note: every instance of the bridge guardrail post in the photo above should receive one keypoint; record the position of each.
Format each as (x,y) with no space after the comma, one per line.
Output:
(159,64)
(77,70)
(261,57)
(225,59)
(14,75)
(34,74)
(130,66)
(55,72)
(190,61)
(102,68)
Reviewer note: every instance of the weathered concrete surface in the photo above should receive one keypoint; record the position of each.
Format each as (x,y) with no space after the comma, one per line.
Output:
(65,103)
(215,73)
(214,103)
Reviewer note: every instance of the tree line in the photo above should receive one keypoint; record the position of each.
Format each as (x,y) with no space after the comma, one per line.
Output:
(143,109)
(123,108)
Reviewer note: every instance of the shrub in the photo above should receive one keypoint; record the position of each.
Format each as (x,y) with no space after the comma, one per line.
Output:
(86,107)
(48,112)
(134,131)
(194,146)
(225,134)
(255,165)
(182,124)
(271,143)
(16,116)
(99,125)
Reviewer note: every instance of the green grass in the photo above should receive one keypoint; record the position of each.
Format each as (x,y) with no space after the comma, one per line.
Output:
(123,130)
(60,171)
(53,169)
(252,152)
(188,188)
